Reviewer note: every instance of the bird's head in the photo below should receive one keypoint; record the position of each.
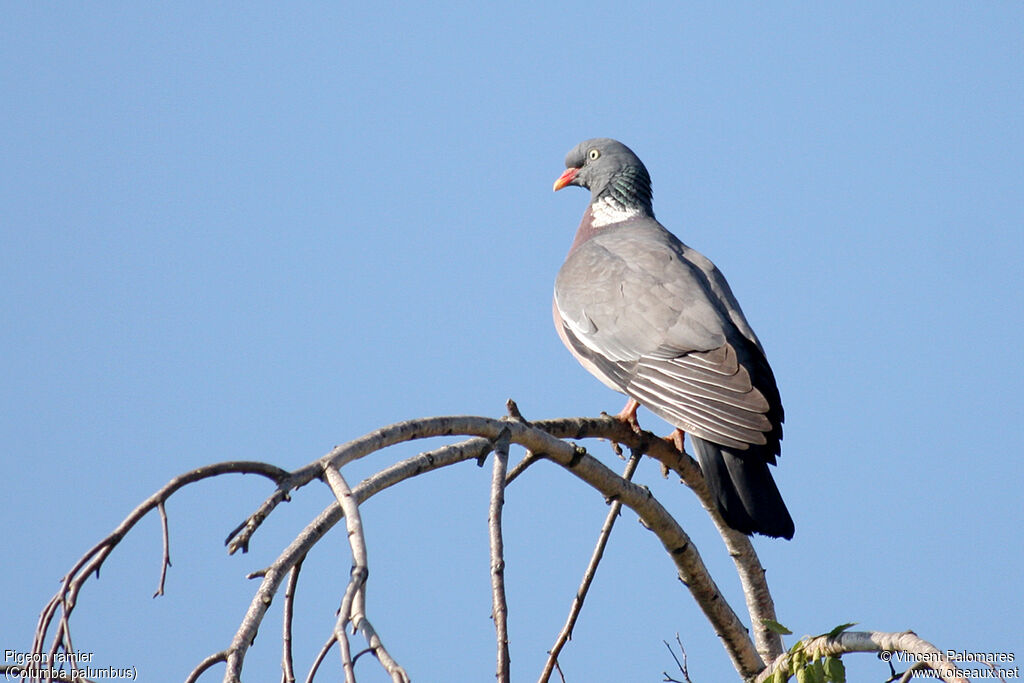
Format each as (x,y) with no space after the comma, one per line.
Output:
(607,168)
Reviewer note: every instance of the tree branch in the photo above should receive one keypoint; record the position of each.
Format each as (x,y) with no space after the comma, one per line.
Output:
(681,665)
(166,561)
(499,609)
(320,658)
(588,576)
(872,641)
(353,605)
(684,555)
(287,661)
(202,666)
(324,522)
(542,440)
(760,605)
(66,596)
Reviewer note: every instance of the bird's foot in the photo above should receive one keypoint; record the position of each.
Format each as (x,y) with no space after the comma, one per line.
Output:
(628,415)
(676,439)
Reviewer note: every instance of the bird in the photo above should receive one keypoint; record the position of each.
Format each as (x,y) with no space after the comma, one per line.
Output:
(654,319)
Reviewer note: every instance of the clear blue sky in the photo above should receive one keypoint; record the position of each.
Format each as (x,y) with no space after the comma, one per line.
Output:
(253,231)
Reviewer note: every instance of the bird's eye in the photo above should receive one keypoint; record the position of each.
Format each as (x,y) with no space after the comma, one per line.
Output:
(593,154)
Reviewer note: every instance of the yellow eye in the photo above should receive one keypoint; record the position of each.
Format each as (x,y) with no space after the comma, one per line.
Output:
(593,154)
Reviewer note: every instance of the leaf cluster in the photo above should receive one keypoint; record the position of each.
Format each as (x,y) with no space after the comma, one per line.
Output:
(806,665)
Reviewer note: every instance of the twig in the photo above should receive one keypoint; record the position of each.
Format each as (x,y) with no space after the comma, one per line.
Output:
(206,664)
(682,665)
(66,597)
(287,661)
(513,414)
(166,562)
(353,604)
(588,576)
(320,658)
(521,466)
(499,605)
(360,568)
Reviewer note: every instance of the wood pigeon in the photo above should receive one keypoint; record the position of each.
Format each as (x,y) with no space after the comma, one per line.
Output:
(655,320)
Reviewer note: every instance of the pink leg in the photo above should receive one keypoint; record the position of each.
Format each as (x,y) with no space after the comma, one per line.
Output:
(628,415)
(676,439)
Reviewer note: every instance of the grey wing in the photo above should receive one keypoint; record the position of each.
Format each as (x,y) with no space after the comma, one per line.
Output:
(653,318)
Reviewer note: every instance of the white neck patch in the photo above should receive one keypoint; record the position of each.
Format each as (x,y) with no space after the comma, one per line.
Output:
(605,212)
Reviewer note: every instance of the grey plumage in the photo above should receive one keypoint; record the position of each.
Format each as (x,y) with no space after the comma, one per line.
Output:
(656,320)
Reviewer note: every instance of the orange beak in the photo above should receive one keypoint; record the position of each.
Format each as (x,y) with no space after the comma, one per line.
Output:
(566,178)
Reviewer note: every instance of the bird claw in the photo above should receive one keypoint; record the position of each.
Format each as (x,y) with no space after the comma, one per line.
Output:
(628,415)
(676,439)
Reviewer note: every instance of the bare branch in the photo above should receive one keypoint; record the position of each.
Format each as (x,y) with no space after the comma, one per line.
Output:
(542,440)
(90,563)
(287,661)
(206,664)
(499,609)
(320,658)
(354,603)
(470,449)
(359,570)
(520,467)
(166,562)
(760,605)
(682,665)
(588,576)
(684,555)
(873,641)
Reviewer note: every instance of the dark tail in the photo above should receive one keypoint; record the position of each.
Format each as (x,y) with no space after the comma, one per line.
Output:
(743,487)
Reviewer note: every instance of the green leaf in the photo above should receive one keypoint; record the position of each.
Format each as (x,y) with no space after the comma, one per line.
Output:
(817,672)
(780,676)
(776,627)
(839,629)
(801,676)
(835,669)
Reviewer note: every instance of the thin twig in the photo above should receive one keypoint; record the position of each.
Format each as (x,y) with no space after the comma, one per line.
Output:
(499,609)
(320,658)
(681,665)
(588,576)
(513,414)
(287,661)
(90,563)
(520,467)
(166,561)
(202,666)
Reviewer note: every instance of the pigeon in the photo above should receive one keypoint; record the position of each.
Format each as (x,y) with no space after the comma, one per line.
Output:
(655,320)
